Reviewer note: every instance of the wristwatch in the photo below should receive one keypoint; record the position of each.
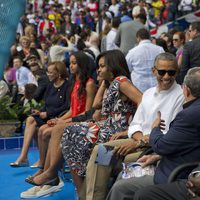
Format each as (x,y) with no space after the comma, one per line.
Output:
(142,144)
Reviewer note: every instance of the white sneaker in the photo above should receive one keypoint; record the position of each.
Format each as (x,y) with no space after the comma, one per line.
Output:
(48,189)
(30,193)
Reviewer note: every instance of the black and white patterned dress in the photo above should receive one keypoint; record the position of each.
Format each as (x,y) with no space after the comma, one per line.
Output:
(78,140)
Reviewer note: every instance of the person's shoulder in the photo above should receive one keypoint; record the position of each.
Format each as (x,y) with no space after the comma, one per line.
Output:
(190,44)
(126,24)
(90,82)
(53,47)
(155,46)
(177,89)
(191,113)
(49,86)
(150,92)
(121,79)
(24,69)
(195,41)
(132,52)
(148,96)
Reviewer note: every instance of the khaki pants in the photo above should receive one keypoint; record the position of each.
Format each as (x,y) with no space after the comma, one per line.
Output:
(97,176)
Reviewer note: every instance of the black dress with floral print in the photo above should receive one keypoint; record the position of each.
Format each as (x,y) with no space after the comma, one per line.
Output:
(78,140)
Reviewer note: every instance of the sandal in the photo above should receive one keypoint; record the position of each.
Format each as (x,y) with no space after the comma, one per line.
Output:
(30,178)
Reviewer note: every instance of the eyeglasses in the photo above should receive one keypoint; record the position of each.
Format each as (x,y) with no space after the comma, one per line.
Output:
(175,39)
(162,72)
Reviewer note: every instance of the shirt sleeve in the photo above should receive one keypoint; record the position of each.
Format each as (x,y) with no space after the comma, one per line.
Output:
(136,124)
(129,60)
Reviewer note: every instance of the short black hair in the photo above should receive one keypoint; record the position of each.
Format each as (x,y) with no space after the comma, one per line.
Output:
(142,17)
(116,22)
(143,34)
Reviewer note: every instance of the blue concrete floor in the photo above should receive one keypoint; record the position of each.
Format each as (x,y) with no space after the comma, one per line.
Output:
(12,179)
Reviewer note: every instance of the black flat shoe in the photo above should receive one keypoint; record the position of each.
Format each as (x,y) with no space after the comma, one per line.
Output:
(52,182)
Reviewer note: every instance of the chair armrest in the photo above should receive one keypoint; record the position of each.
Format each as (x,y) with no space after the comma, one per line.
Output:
(174,174)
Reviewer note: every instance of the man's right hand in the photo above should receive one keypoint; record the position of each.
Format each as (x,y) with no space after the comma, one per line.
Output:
(148,159)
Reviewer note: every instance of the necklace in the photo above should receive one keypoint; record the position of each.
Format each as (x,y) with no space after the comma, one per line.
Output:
(58,84)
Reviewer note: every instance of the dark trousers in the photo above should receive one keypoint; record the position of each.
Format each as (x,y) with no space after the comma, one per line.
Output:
(171,191)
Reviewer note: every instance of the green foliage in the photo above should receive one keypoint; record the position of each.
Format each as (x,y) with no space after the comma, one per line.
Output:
(11,111)
(8,111)
(33,104)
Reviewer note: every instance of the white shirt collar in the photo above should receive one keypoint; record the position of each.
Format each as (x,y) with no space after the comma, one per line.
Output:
(165,91)
(144,41)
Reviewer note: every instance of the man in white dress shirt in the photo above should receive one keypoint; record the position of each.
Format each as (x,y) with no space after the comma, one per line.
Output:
(110,38)
(166,97)
(23,76)
(140,61)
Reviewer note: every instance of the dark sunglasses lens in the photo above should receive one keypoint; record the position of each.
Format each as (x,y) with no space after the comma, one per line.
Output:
(172,72)
(161,72)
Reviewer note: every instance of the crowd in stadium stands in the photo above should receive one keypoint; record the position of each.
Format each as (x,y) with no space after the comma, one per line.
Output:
(104,79)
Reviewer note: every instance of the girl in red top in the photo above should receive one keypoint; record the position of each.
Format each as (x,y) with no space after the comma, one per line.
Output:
(83,87)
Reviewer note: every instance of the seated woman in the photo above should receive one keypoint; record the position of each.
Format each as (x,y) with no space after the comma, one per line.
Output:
(118,106)
(83,91)
(56,101)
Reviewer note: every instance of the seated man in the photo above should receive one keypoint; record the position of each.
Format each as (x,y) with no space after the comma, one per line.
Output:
(181,144)
(166,97)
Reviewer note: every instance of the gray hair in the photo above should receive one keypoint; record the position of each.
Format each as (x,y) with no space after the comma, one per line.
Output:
(166,56)
(192,81)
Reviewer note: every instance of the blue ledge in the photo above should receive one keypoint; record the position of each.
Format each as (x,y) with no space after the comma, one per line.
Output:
(14,143)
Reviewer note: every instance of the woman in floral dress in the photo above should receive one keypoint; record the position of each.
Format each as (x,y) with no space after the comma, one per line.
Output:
(118,107)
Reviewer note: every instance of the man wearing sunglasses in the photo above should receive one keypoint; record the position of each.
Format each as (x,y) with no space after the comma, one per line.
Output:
(191,50)
(166,97)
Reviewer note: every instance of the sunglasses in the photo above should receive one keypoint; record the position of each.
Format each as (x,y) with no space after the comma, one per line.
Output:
(162,72)
(176,40)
